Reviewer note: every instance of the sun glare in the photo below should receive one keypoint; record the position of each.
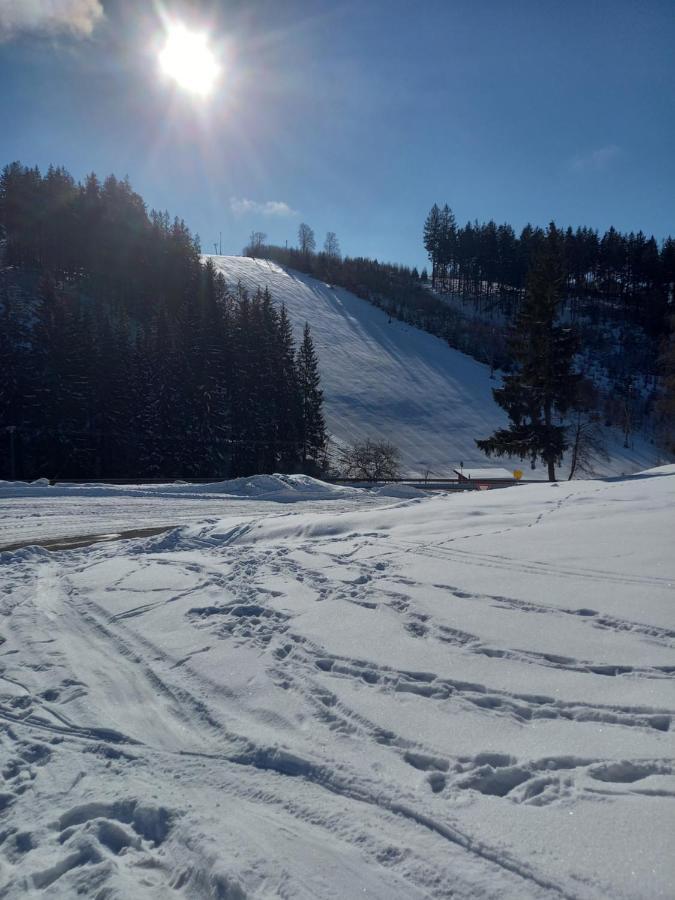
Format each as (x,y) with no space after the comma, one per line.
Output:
(189,61)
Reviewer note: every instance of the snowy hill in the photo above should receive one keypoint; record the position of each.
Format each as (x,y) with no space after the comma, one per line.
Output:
(389,380)
(452,696)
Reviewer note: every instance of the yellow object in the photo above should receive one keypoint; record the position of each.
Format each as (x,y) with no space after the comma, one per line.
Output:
(518,474)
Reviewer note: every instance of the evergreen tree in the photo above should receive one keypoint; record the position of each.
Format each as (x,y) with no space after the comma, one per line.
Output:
(666,400)
(18,381)
(275,392)
(313,427)
(432,240)
(287,406)
(249,365)
(543,387)
(447,241)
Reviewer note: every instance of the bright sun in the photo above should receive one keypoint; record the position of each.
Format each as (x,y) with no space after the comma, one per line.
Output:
(188,59)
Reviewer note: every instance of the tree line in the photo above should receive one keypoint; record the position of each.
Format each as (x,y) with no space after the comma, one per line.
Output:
(123,355)
(615,275)
(552,409)
(610,372)
(616,289)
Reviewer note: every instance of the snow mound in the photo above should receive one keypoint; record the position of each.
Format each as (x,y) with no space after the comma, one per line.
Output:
(277,488)
(400,491)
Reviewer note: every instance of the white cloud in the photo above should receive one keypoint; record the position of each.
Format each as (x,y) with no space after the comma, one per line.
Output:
(596,159)
(241,206)
(76,17)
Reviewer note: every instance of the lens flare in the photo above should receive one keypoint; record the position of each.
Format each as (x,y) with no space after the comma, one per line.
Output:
(187,58)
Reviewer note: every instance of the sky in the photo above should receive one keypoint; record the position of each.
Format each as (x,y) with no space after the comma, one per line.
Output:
(355,117)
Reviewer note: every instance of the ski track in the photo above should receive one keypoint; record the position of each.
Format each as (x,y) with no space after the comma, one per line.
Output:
(168,702)
(154,823)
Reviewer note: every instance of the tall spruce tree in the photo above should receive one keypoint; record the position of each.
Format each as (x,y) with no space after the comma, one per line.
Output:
(447,241)
(286,396)
(666,400)
(541,390)
(313,425)
(432,239)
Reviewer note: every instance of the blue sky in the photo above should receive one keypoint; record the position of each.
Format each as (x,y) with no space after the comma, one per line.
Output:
(356,116)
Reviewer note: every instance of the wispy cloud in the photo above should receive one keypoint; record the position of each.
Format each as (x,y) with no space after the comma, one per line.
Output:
(49,17)
(241,206)
(595,160)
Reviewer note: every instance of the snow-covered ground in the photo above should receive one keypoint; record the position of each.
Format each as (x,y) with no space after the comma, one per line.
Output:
(348,696)
(40,512)
(389,380)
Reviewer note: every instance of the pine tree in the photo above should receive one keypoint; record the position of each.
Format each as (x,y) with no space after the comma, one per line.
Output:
(19,366)
(447,243)
(313,426)
(159,409)
(543,387)
(287,410)
(432,240)
(72,355)
(273,414)
(666,400)
(247,362)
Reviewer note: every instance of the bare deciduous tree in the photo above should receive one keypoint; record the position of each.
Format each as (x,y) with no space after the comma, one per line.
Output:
(370,460)
(587,443)
(585,433)
(331,246)
(306,241)
(256,242)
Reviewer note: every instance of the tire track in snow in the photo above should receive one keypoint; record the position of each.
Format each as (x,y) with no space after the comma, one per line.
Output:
(291,765)
(489,560)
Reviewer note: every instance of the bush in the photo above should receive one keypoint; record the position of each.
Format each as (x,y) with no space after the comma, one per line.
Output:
(370,461)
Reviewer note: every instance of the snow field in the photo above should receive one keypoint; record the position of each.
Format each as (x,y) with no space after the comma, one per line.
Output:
(40,512)
(466,696)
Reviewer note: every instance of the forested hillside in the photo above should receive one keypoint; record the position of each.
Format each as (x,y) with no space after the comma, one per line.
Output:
(124,355)
(616,296)
(385,379)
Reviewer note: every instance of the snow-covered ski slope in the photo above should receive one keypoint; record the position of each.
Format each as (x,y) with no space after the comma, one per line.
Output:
(444,697)
(389,380)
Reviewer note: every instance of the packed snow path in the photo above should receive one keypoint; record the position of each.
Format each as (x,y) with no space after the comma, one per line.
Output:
(448,696)
(385,379)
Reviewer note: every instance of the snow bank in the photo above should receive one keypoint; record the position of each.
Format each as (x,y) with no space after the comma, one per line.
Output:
(277,488)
